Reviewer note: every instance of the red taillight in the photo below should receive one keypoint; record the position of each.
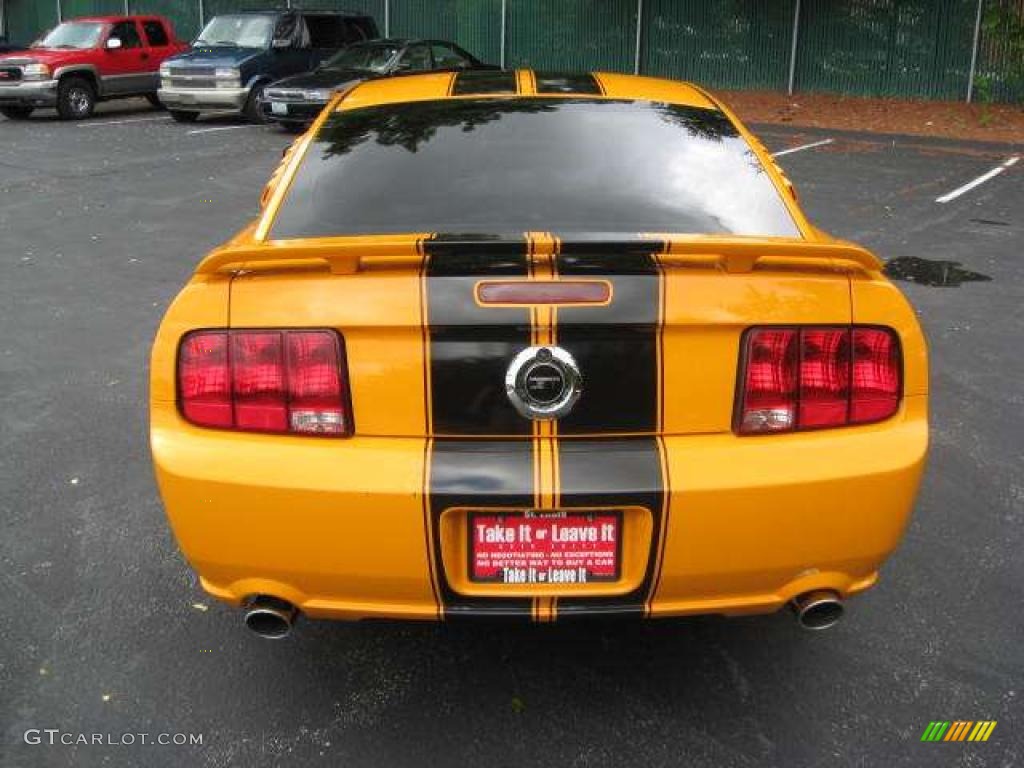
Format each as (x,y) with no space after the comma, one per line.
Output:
(816,377)
(876,375)
(314,380)
(770,381)
(824,377)
(265,381)
(257,375)
(204,379)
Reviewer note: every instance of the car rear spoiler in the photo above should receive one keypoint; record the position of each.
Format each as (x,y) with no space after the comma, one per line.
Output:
(354,254)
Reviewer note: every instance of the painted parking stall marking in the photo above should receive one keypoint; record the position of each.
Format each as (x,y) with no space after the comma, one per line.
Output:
(126,121)
(221,128)
(802,147)
(1008,163)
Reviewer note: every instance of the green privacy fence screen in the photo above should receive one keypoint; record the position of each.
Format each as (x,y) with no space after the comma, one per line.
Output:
(571,34)
(903,48)
(726,44)
(882,47)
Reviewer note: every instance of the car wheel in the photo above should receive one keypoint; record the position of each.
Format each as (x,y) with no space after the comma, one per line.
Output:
(153,99)
(16,113)
(76,98)
(252,111)
(184,117)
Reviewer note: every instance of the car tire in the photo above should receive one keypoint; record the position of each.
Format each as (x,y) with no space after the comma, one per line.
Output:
(252,110)
(154,100)
(16,113)
(76,98)
(183,117)
(292,127)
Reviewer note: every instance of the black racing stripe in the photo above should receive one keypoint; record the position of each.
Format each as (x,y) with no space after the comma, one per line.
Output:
(616,347)
(471,346)
(561,82)
(608,473)
(481,82)
(479,474)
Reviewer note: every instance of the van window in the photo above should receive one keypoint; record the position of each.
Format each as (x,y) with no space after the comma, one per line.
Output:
(325,31)
(240,30)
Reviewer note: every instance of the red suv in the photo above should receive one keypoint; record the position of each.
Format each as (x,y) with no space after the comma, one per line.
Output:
(86,60)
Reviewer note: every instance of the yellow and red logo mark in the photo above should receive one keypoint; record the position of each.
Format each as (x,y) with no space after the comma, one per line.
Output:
(958,730)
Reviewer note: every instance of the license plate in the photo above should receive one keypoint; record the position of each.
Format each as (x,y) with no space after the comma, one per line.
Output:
(557,548)
(278,108)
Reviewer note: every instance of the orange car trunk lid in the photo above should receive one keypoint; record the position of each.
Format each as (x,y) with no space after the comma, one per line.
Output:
(646,347)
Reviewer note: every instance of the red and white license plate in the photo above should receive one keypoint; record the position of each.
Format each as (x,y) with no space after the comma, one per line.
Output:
(545,547)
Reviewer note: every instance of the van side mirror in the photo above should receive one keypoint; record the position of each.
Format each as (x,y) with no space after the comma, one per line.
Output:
(113,43)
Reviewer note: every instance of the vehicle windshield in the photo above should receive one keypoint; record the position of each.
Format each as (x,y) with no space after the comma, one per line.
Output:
(371,58)
(240,31)
(567,166)
(71,34)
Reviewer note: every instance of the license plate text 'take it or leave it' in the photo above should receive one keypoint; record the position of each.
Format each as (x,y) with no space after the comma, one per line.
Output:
(556,549)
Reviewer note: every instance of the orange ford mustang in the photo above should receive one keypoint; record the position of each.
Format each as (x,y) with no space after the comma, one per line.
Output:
(536,347)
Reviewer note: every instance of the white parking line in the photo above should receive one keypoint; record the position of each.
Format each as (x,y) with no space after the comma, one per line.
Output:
(221,128)
(802,147)
(1008,163)
(122,122)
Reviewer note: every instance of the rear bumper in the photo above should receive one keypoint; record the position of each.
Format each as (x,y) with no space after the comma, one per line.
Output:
(203,99)
(35,93)
(339,527)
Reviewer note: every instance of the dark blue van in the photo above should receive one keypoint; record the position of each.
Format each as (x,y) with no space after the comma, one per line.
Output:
(238,54)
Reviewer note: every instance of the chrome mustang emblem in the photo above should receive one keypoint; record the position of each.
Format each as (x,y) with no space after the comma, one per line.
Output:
(543,382)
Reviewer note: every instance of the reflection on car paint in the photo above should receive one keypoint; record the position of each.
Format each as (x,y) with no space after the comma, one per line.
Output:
(933,272)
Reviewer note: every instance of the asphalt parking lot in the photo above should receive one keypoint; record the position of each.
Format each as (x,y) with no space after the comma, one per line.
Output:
(105,630)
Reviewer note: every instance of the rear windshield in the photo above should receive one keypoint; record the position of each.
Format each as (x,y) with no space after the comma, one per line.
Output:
(501,166)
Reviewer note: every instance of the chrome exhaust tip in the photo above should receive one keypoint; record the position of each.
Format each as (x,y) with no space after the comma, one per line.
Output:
(816,610)
(270,617)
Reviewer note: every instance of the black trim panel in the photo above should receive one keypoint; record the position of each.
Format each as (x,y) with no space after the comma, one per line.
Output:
(484,82)
(478,474)
(616,347)
(614,472)
(469,349)
(471,346)
(559,82)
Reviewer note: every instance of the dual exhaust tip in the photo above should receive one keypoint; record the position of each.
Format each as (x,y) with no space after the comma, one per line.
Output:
(820,609)
(273,618)
(270,617)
